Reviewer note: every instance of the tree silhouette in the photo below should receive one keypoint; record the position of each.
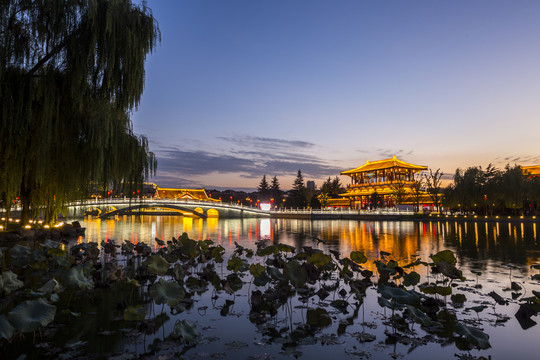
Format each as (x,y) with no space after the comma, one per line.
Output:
(70,74)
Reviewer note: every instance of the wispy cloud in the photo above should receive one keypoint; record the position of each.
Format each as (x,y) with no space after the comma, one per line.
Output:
(267,143)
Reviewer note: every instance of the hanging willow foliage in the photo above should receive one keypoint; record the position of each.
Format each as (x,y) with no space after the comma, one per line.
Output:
(71,72)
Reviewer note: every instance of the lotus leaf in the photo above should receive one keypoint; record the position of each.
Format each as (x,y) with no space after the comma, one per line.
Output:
(286,248)
(262,279)
(76,279)
(233,283)
(445,255)
(411,279)
(391,305)
(476,337)
(51,286)
(134,313)
(274,273)
(295,273)
(157,265)
(217,253)
(358,257)
(9,282)
(48,243)
(458,298)
(6,329)
(318,317)
(400,295)
(319,259)
(234,264)
(269,250)
(187,331)
(257,269)
(167,292)
(419,316)
(127,247)
(30,315)
(449,270)
(189,247)
(435,289)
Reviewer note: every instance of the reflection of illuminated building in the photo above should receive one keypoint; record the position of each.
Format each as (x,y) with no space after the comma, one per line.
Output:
(385,178)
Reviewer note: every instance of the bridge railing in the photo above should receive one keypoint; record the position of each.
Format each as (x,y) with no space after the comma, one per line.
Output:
(112,201)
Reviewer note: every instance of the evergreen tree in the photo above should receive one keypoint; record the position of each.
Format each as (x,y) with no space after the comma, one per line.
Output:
(298,184)
(263,186)
(276,191)
(70,74)
(298,194)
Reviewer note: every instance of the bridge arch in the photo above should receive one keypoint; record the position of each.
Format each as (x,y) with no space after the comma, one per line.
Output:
(93,210)
(132,208)
(212,213)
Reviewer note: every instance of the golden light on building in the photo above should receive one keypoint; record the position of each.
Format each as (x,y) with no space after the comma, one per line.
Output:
(386,178)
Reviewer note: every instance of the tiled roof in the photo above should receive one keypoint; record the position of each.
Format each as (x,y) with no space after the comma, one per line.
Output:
(384,164)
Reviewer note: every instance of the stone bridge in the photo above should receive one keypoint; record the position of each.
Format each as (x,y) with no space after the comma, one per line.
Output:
(105,208)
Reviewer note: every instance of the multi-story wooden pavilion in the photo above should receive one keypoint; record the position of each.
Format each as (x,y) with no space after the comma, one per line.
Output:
(384,177)
(184,194)
(533,170)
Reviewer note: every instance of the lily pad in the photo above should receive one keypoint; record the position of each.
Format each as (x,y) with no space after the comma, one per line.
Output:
(167,292)
(295,273)
(134,313)
(358,257)
(9,282)
(157,265)
(476,337)
(187,331)
(6,329)
(30,315)
(318,317)
(75,278)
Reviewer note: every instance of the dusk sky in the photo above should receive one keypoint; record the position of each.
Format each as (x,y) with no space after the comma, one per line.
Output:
(238,89)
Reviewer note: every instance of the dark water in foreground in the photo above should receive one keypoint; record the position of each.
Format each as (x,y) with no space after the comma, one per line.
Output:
(481,247)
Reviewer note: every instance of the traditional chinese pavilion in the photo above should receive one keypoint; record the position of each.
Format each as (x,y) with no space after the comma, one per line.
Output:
(381,177)
(533,170)
(184,194)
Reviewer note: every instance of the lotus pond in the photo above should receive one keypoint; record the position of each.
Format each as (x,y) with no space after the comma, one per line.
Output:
(176,287)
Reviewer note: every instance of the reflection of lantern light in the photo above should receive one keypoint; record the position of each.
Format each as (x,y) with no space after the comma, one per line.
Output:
(265,228)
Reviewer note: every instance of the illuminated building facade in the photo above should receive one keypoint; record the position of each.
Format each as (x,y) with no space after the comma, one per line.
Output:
(184,194)
(533,170)
(386,178)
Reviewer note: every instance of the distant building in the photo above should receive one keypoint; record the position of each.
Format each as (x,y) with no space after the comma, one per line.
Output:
(310,185)
(184,194)
(533,170)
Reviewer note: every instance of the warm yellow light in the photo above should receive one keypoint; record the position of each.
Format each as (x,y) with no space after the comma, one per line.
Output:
(485,216)
(496,217)
(46,226)
(475,216)
(10,219)
(18,220)
(27,227)
(1,227)
(509,217)
(3,219)
(521,217)
(40,222)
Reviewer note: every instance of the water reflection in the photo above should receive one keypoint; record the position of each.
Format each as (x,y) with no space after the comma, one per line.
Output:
(476,244)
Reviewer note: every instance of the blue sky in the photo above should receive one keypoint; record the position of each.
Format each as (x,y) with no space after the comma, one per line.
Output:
(242,88)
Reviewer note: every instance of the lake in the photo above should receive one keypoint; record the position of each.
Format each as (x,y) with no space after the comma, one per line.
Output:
(490,255)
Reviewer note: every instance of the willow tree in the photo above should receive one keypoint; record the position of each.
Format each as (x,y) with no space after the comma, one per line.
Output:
(71,72)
